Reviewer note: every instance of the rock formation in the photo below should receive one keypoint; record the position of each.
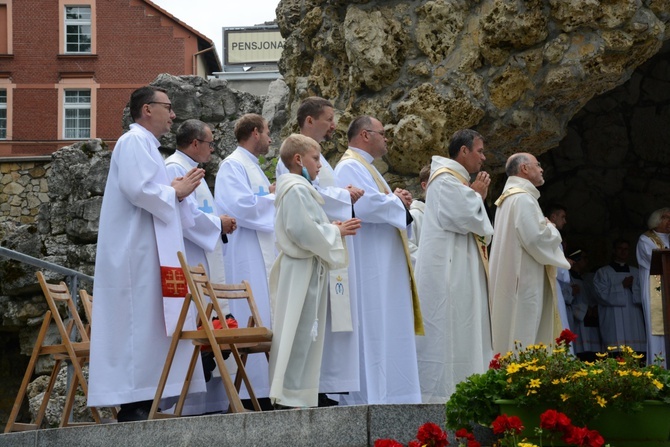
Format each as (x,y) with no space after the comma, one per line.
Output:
(515,70)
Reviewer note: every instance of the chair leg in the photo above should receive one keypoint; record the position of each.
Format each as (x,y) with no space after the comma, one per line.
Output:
(47,393)
(242,376)
(187,381)
(30,369)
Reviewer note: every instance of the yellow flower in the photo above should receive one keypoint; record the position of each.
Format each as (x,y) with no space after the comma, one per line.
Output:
(623,372)
(602,402)
(531,392)
(612,348)
(555,382)
(564,397)
(638,356)
(601,354)
(526,444)
(534,383)
(636,373)
(513,367)
(657,384)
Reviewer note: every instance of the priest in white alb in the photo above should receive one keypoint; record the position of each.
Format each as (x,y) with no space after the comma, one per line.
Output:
(525,252)
(339,369)
(451,270)
(657,238)
(309,246)
(243,191)
(135,309)
(388,308)
(204,241)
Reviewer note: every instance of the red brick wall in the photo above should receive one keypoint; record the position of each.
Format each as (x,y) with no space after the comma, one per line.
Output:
(132,49)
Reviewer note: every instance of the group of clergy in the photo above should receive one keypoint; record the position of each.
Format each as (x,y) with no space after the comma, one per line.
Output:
(368,328)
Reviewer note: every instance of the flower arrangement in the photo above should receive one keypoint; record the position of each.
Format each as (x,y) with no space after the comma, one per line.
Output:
(543,378)
(554,422)
(429,435)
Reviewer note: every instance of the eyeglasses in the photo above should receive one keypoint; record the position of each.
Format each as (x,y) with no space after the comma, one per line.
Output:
(169,105)
(211,143)
(382,133)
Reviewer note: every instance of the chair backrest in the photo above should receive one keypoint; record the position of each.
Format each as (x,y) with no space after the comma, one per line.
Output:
(241,291)
(59,293)
(87,304)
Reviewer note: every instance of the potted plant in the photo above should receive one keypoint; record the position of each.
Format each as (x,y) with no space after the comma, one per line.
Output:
(536,378)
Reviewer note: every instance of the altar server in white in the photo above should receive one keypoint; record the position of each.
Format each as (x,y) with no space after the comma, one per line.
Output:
(652,305)
(525,252)
(451,270)
(309,247)
(204,242)
(140,230)
(243,192)
(620,315)
(388,307)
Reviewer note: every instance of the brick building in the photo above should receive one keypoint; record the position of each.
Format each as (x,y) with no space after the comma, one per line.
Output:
(67,67)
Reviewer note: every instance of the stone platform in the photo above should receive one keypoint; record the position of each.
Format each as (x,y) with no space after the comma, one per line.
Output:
(355,426)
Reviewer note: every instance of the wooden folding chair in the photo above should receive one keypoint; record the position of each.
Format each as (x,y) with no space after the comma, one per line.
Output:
(69,351)
(219,340)
(241,291)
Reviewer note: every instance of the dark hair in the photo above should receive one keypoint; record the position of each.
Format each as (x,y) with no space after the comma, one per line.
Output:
(140,97)
(553,208)
(514,163)
(620,241)
(245,126)
(460,138)
(357,125)
(190,130)
(312,106)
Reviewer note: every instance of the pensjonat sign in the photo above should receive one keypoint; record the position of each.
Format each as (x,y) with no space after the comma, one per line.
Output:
(252,45)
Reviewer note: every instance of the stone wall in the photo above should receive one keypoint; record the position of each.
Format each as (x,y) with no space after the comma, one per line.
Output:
(23,188)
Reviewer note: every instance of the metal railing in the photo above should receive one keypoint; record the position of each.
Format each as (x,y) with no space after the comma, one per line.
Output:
(72,276)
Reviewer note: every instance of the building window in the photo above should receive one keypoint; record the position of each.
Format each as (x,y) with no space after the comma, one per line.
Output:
(3,114)
(78,35)
(77,114)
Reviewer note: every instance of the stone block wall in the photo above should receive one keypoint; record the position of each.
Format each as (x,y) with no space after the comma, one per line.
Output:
(23,188)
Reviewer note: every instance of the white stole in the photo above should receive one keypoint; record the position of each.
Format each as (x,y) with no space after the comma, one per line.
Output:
(169,239)
(260,185)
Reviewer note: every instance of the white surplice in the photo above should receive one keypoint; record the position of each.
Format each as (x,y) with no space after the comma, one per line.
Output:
(588,336)
(241,192)
(340,366)
(417,209)
(522,303)
(200,241)
(619,308)
(388,365)
(655,343)
(451,281)
(128,340)
(309,247)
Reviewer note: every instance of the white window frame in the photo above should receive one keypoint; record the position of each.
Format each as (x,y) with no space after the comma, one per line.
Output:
(77,132)
(79,23)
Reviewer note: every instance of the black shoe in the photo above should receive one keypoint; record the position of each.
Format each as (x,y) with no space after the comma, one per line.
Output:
(325,401)
(134,411)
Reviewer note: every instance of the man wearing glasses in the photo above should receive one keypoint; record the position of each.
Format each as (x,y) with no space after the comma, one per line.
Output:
(141,221)
(388,308)
(525,253)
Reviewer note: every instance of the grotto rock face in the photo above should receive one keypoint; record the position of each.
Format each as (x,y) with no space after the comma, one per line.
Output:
(515,70)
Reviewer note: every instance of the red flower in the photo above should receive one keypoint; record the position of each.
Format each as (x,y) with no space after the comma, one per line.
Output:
(473,443)
(495,362)
(566,337)
(387,443)
(432,435)
(554,420)
(414,443)
(503,424)
(594,439)
(576,435)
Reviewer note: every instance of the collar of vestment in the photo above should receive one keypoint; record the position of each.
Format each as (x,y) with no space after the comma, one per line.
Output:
(442,165)
(516,185)
(366,160)
(248,153)
(620,267)
(367,157)
(289,180)
(656,238)
(187,158)
(146,132)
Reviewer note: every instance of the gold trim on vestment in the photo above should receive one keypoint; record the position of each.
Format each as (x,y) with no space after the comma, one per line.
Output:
(655,292)
(416,306)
